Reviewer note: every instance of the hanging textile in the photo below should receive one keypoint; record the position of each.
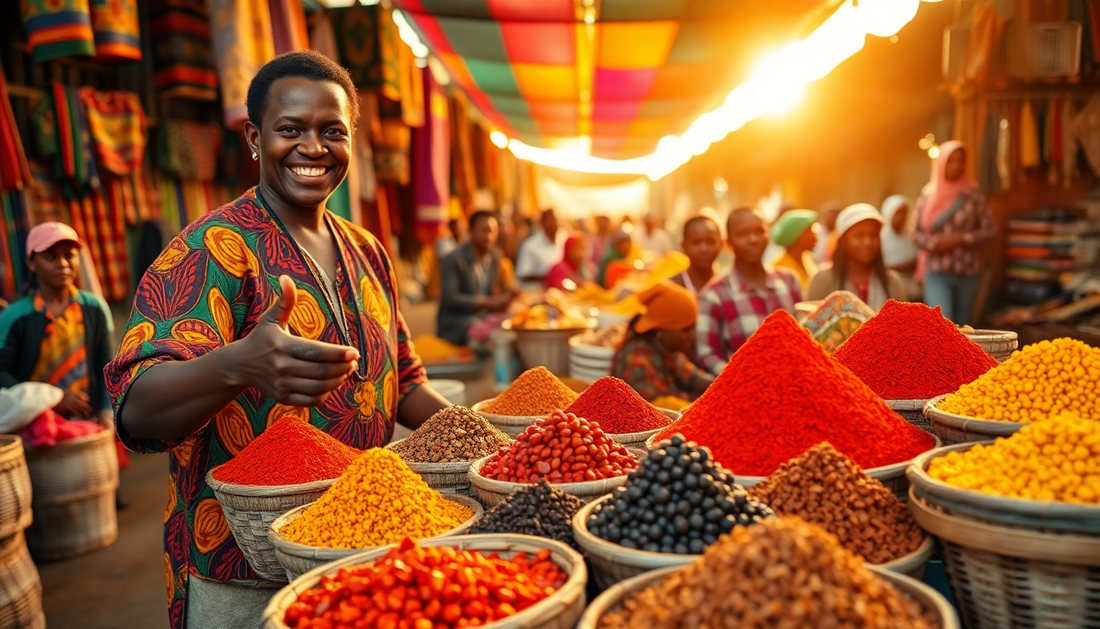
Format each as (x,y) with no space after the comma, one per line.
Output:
(116,31)
(363,158)
(413,92)
(183,58)
(1046,118)
(1004,150)
(189,150)
(986,31)
(116,121)
(391,150)
(1054,171)
(45,196)
(57,28)
(462,151)
(241,32)
(15,173)
(1069,143)
(431,162)
(987,153)
(1029,137)
(390,45)
(322,37)
(288,26)
(13,237)
(357,29)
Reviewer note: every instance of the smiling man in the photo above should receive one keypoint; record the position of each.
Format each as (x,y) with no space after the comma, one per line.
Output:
(733,307)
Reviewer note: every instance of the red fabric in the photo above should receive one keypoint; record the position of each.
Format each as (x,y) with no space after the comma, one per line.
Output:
(49,429)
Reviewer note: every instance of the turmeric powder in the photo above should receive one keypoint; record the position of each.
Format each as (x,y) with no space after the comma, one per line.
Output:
(377,501)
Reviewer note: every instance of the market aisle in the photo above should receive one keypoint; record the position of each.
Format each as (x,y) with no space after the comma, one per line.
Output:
(122,585)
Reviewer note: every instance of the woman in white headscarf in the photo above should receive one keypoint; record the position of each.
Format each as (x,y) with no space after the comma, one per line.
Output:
(857,265)
(899,253)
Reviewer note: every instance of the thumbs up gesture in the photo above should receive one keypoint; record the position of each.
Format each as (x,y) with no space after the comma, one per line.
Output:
(291,370)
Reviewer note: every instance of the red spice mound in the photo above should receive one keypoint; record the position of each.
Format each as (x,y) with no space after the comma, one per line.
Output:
(911,352)
(782,394)
(562,448)
(617,408)
(290,452)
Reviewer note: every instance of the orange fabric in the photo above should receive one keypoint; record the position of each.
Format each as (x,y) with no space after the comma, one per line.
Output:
(667,306)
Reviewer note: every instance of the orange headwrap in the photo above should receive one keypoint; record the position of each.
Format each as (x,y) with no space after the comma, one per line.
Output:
(667,306)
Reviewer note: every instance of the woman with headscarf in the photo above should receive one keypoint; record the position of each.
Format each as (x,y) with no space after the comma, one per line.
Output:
(653,356)
(615,262)
(795,231)
(953,224)
(899,253)
(857,265)
(573,267)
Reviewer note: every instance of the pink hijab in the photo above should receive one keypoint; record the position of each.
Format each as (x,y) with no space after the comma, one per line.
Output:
(940,194)
(563,270)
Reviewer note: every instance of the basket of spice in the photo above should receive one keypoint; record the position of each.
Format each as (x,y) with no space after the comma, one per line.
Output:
(568,451)
(442,449)
(553,507)
(953,428)
(288,465)
(909,354)
(999,344)
(535,394)
(15,487)
(620,412)
(678,502)
(753,419)
(521,582)
(376,502)
(757,574)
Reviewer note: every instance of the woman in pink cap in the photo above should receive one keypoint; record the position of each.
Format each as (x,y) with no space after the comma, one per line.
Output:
(58,334)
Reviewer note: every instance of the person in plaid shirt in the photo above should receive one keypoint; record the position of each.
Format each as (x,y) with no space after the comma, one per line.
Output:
(732,307)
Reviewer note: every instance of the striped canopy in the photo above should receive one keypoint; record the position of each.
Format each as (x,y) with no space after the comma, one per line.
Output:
(624,73)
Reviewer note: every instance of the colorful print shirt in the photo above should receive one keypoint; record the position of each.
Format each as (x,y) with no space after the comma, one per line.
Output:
(972,217)
(653,374)
(208,288)
(63,355)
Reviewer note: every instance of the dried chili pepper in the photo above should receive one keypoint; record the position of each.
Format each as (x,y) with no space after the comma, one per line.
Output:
(617,408)
(290,452)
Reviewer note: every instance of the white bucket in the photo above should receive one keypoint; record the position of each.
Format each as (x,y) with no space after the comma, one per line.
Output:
(454,391)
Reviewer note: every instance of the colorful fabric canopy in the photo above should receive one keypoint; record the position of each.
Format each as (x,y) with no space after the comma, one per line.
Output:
(643,69)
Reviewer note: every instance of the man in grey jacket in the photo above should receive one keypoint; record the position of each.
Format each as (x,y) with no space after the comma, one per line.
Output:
(474,284)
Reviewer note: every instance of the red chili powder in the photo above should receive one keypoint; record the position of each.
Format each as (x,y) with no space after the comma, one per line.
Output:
(290,452)
(617,408)
(911,352)
(782,394)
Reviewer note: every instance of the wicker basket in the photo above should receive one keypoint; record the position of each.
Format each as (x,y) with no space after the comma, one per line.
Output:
(952,428)
(997,343)
(560,610)
(297,559)
(640,440)
(610,600)
(73,488)
(493,492)
(912,411)
(612,563)
(1016,577)
(914,563)
(250,510)
(548,348)
(20,587)
(513,426)
(1059,517)
(15,487)
(446,478)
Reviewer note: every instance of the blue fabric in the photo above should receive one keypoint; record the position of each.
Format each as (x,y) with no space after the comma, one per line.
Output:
(954,295)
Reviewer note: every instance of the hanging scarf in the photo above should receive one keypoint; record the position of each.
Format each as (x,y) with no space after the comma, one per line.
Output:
(15,173)
(288,26)
(57,28)
(241,32)
(357,30)
(432,161)
(189,150)
(183,57)
(116,31)
(117,125)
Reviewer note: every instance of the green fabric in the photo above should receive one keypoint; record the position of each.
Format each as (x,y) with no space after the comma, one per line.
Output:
(340,202)
(791,225)
(608,258)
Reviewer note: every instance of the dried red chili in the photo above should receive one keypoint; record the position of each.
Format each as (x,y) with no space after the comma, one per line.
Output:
(437,587)
(782,394)
(911,352)
(617,408)
(290,452)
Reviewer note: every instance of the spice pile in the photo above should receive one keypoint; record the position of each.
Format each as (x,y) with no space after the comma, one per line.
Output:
(610,336)
(427,588)
(536,392)
(781,573)
(824,487)
(1053,460)
(562,448)
(677,501)
(433,350)
(539,510)
(454,434)
(617,408)
(782,394)
(671,402)
(1039,381)
(290,452)
(911,352)
(377,501)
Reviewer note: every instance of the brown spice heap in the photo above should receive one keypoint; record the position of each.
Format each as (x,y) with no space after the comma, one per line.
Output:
(535,392)
(780,573)
(825,487)
(454,434)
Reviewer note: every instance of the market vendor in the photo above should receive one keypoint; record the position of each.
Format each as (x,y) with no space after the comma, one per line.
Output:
(653,358)
(235,326)
(857,265)
(540,251)
(701,243)
(616,261)
(732,307)
(573,267)
(477,284)
(796,232)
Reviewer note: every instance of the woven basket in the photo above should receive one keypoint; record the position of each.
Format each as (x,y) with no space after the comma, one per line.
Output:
(15,487)
(611,599)
(513,426)
(997,343)
(73,489)
(1059,517)
(1016,577)
(493,492)
(250,510)
(560,610)
(952,428)
(914,563)
(612,563)
(548,348)
(446,478)
(912,411)
(641,439)
(20,587)
(297,559)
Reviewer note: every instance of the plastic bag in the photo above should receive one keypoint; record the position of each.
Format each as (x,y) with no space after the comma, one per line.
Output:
(19,405)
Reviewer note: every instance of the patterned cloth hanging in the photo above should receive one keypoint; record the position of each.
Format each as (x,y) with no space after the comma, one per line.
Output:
(431,163)
(183,57)
(288,26)
(357,29)
(15,173)
(57,28)
(117,124)
(189,150)
(116,31)
(241,32)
